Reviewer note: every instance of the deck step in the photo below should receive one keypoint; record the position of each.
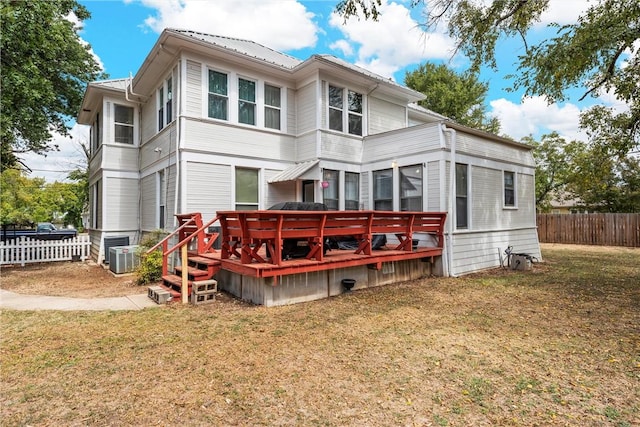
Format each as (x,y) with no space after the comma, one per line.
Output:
(193,272)
(174,284)
(204,260)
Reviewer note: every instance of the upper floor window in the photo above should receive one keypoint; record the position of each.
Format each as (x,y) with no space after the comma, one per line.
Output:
(272,107)
(165,103)
(96,134)
(509,189)
(123,124)
(411,188)
(169,101)
(160,109)
(218,95)
(341,111)
(351,191)
(462,206)
(246,101)
(383,190)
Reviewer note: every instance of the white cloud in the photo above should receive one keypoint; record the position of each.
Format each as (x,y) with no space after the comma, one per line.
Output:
(56,165)
(343,46)
(533,116)
(564,11)
(279,24)
(391,43)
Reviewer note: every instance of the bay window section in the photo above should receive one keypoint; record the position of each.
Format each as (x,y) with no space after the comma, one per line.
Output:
(271,107)
(246,189)
(383,190)
(355,113)
(351,191)
(123,124)
(462,216)
(218,95)
(246,102)
(411,188)
(335,108)
(330,194)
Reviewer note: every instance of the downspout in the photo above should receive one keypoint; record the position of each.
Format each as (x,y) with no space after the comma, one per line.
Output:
(179,143)
(452,194)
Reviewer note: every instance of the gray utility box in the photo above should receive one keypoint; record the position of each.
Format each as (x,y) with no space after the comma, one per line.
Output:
(123,259)
(521,262)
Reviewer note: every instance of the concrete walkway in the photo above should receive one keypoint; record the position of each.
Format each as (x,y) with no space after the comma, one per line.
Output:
(13,301)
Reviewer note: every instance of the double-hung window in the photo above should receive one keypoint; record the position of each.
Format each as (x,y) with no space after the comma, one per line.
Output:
(411,188)
(509,189)
(165,102)
(462,216)
(160,109)
(330,194)
(345,110)
(272,107)
(218,95)
(123,124)
(169,101)
(246,101)
(351,191)
(383,190)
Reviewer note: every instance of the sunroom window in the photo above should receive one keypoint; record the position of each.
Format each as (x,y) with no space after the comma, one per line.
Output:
(123,124)
(411,188)
(383,190)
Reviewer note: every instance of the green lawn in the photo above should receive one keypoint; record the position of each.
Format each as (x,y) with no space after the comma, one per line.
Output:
(556,346)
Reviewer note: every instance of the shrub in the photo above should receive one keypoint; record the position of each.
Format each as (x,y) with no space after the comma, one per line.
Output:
(150,268)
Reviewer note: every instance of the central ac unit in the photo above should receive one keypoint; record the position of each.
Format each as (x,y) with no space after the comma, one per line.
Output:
(123,259)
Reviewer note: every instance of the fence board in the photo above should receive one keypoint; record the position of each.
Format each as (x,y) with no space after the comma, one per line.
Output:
(598,229)
(25,250)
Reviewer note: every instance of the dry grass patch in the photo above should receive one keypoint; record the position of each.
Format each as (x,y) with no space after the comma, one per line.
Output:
(558,346)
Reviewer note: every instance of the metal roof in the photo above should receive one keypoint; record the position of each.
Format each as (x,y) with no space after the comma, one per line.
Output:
(293,172)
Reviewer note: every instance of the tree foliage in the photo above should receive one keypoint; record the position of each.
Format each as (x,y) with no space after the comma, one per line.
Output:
(45,68)
(458,96)
(586,54)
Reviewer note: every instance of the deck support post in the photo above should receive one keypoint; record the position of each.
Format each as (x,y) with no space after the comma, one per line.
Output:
(184,293)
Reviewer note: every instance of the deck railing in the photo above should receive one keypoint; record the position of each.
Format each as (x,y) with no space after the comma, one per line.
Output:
(244,233)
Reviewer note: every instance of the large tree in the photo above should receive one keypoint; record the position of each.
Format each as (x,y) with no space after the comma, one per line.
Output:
(586,54)
(458,96)
(45,67)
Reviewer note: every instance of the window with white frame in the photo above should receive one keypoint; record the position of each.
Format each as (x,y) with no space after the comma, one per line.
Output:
(462,205)
(96,205)
(218,95)
(162,199)
(272,107)
(383,190)
(123,120)
(246,189)
(96,133)
(411,188)
(351,191)
(169,100)
(345,110)
(246,101)
(355,113)
(509,180)
(160,108)
(330,193)
(336,106)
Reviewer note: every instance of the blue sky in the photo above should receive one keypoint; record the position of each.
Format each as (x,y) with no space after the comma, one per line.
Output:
(122,32)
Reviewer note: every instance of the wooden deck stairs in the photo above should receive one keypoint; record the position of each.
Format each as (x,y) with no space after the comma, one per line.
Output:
(201,268)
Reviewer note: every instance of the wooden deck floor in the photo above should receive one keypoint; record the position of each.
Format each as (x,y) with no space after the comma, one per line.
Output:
(334,259)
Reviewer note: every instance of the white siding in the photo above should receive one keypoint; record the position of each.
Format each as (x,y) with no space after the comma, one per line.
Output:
(148,206)
(434,187)
(165,142)
(193,95)
(292,119)
(385,116)
(340,147)
(306,106)
(209,188)
(477,251)
(149,118)
(484,148)
(122,202)
(277,192)
(408,142)
(171,195)
(238,141)
(364,190)
(120,157)
(306,147)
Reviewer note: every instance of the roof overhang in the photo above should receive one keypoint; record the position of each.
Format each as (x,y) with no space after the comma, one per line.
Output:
(305,170)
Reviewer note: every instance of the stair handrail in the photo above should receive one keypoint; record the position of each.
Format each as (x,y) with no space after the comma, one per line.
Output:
(161,242)
(187,239)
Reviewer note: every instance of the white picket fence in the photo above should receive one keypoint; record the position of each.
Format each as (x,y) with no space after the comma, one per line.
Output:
(24,250)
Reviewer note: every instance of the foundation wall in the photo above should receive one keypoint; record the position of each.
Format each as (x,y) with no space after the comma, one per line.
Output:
(303,287)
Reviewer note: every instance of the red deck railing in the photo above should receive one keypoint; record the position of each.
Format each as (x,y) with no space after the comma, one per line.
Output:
(244,233)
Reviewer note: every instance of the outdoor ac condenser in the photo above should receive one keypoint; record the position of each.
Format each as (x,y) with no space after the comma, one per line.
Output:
(123,259)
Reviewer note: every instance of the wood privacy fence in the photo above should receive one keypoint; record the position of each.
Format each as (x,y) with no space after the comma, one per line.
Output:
(25,250)
(609,229)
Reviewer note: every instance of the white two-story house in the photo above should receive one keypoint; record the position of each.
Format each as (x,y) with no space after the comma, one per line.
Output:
(213,123)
